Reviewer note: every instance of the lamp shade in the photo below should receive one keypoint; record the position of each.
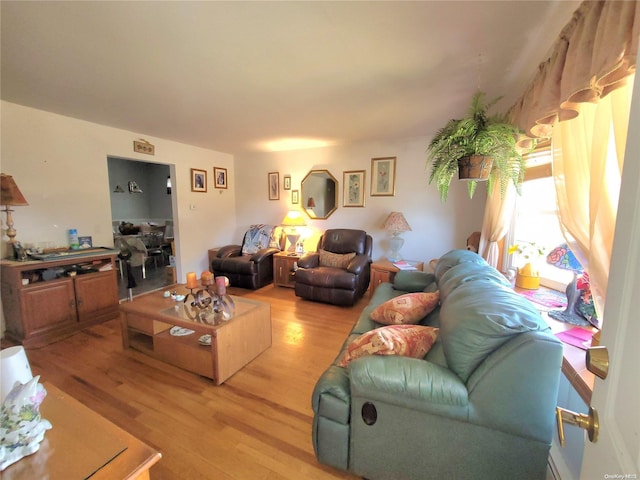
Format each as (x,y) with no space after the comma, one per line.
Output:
(311,203)
(396,223)
(293,219)
(562,257)
(10,193)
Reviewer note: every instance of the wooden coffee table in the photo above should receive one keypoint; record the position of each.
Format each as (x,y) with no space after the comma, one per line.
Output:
(147,322)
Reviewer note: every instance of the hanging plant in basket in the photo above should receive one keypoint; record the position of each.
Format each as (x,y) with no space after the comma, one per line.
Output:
(477,148)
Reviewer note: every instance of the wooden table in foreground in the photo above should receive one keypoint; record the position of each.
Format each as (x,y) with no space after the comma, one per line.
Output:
(148,319)
(82,444)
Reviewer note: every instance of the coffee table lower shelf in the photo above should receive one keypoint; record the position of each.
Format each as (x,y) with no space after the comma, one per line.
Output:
(148,319)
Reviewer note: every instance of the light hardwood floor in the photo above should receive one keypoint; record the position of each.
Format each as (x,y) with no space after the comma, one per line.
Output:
(255,426)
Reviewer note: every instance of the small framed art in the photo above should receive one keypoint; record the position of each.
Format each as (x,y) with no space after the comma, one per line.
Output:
(273,179)
(295,197)
(353,188)
(198,180)
(220,176)
(287,182)
(383,176)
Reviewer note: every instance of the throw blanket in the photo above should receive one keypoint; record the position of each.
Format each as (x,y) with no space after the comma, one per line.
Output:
(257,238)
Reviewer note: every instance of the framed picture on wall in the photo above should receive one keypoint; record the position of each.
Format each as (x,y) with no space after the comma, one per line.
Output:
(273,179)
(198,180)
(287,182)
(295,197)
(353,188)
(220,177)
(383,176)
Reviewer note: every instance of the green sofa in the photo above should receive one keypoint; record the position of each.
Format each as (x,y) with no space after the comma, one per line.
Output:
(481,403)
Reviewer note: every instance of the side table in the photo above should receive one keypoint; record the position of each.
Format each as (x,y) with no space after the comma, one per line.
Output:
(384,271)
(284,269)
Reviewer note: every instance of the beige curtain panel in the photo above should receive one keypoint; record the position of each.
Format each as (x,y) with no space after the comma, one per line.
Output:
(594,55)
(587,166)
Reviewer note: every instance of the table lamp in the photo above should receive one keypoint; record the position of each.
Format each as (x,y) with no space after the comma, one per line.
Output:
(291,221)
(395,224)
(563,258)
(10,196)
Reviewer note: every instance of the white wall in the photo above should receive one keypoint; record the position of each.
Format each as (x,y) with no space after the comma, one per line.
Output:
(60,165)
(436,227)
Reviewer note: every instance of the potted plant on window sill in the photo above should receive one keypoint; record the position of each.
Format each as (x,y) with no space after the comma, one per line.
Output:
(530,254)
(478,147)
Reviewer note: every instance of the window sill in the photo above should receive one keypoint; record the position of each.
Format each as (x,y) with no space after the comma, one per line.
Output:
(573,362)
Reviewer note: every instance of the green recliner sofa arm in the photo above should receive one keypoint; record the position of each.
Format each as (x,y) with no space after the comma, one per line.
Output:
(409,383)
(331,402)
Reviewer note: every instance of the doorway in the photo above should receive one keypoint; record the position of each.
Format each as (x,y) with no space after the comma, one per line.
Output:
(142,216)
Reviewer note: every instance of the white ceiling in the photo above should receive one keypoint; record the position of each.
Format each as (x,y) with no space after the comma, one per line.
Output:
(231,76)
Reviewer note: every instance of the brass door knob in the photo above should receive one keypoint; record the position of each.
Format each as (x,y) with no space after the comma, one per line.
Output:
(597,360)
(589,422)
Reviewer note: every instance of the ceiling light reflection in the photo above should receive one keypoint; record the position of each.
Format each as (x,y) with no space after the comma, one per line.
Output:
(284,144)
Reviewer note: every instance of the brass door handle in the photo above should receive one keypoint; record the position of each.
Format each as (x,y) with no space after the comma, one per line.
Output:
(589,422)
(597,360)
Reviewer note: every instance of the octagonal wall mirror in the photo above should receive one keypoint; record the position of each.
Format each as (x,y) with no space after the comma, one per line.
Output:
(319,194)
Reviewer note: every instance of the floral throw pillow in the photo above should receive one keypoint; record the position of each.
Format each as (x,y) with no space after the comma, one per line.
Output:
(406,309)
(405,340)
(330,259)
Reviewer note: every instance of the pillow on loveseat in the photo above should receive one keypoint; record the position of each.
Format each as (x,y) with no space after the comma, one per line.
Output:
(404,340)
(406,309)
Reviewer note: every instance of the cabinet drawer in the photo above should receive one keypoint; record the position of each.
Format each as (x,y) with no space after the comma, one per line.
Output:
(146,324)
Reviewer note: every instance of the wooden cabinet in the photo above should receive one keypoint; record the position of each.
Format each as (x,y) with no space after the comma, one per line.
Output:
(284,269)
(44,301)
(46,307)
(384,271)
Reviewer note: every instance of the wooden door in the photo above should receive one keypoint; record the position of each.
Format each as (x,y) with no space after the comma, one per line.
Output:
(48,306)
(616,454)
(96,296)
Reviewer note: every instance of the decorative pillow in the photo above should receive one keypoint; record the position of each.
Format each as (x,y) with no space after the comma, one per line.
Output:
(404,340)
(257,238)
(329,259)
(406,309)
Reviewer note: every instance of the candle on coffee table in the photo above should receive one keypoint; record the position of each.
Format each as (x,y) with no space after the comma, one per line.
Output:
(192,281)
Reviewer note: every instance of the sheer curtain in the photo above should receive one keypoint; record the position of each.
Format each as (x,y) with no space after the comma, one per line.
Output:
(571,100)
(495,223)
(588,153)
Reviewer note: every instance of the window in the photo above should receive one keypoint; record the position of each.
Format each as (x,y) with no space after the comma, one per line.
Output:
(535,218)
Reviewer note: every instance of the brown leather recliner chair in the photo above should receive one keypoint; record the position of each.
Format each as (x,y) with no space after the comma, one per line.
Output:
(250,265)
(339,271)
